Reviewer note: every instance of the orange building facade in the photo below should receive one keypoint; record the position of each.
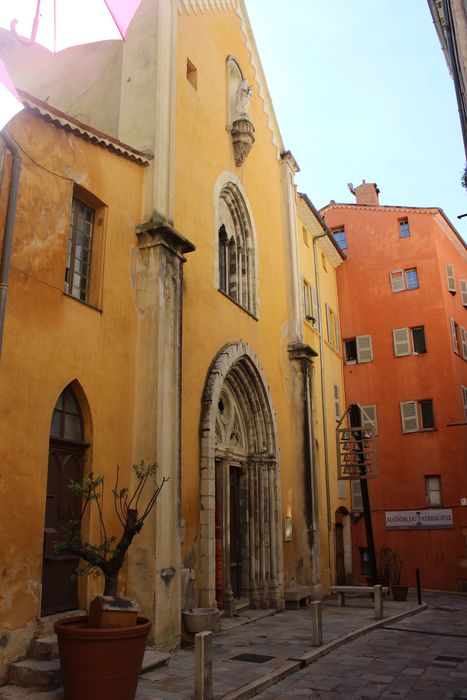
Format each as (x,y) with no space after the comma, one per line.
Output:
(403,299)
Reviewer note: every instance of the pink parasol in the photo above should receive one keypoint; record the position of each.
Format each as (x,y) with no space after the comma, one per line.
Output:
(59,24)
(10,103)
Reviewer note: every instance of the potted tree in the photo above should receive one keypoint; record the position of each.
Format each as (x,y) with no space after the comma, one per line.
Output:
(101,654)
(396,561)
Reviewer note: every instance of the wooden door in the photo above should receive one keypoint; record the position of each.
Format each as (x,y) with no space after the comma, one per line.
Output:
(235,532)
(59,588)
(66,460)
(340,566)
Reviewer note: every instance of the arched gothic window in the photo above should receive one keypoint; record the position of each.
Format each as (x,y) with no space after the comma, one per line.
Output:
(236,251)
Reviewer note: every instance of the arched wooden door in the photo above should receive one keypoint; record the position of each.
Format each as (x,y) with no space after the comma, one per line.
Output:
(66,458)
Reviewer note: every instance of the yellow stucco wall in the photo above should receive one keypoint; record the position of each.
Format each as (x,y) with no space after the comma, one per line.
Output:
(211,320)
(330,358)
(52,339)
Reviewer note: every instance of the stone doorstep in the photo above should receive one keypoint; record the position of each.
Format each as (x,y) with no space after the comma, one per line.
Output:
(45,648)
(44,674)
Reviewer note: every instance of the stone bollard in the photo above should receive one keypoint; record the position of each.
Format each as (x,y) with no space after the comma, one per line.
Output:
(203,666)
(378,592)
(316,623)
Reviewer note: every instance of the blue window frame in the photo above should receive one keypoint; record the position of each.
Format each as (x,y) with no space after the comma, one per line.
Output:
(404,229)
(340,237)
(411,278)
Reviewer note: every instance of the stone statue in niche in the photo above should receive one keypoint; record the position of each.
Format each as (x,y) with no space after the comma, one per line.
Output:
(243,98)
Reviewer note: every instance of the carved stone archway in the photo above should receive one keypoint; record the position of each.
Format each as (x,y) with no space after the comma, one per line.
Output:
(240,486)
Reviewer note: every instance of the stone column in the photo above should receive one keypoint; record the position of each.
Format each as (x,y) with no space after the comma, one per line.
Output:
(273,583)
(228,596)
(155,559)
(252,522)
(262,519)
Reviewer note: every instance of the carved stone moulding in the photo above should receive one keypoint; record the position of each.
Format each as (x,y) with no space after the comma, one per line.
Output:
(242,139)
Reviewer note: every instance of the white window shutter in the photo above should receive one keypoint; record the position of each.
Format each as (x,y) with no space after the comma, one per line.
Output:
(401,339)
(357,500)
(338,333)
(455,344)
(364,349)
(409,416)
(306,299)
(397,280)
(314,306)
(337,403)
(463,288)
(370,419)
(450,277)
(464,342)
(328,323)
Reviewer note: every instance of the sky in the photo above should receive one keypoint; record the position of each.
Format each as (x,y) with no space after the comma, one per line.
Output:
(361,91)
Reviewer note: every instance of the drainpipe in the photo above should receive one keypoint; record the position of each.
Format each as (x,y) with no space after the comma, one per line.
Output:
(323,397)
(9,228)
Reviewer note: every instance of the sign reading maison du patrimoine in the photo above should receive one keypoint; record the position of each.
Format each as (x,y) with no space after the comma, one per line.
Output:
(427,519)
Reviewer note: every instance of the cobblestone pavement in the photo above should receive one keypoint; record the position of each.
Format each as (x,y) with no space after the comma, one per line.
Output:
(419,653)
(419,658)
(283,638)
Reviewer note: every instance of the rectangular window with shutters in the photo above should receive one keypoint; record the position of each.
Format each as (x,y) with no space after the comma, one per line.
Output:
(409,341)
(464,400)
(450,278)
(310,304)
(333,329)
(463,338)
(364,561)
(356,494)
(433,490)
(402,280)
(454,335)
(337,401)
(417,415)
(463,288)
(358,350)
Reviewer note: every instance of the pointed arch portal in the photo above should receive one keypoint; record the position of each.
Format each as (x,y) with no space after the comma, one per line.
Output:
(240,544)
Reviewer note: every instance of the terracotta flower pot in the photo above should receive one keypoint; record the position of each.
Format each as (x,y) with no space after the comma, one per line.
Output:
(100,663)
(399,593)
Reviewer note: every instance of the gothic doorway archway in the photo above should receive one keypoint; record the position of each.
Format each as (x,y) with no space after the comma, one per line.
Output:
(240,544)
(66,462)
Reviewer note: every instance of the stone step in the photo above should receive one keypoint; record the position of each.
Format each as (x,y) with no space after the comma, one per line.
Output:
(44,674)
(41,674)
(44,648)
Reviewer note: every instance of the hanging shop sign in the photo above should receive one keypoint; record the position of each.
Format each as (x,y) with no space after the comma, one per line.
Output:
(426,519)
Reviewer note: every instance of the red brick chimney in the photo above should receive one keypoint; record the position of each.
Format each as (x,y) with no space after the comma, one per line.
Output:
(366,193)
